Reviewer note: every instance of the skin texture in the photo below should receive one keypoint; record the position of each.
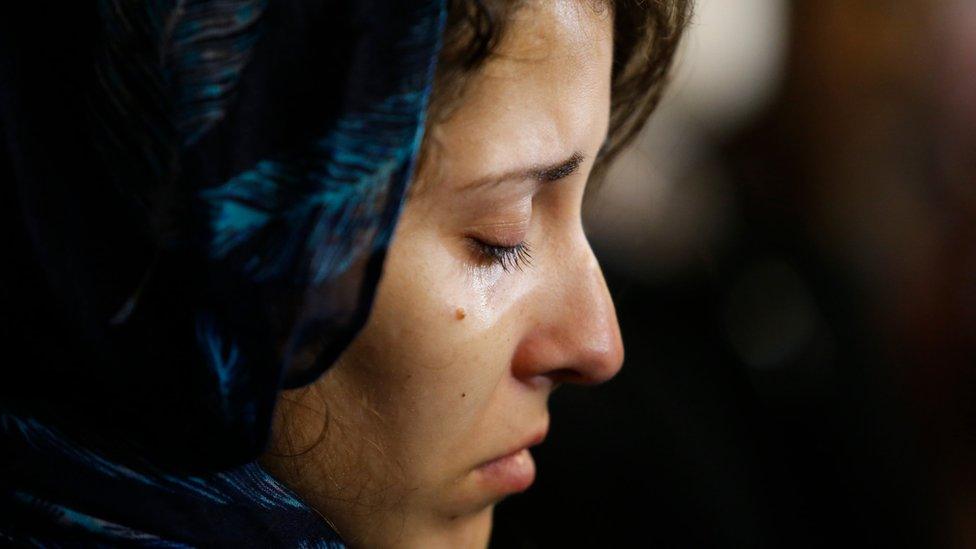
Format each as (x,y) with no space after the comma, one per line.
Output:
(460,353)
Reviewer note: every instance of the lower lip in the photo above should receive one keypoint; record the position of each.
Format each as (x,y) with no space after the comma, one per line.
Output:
(512,473)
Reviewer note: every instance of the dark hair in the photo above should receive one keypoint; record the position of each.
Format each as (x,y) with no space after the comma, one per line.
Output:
(646,34)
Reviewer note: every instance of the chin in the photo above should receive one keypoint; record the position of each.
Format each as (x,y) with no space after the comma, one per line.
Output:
(462,531)
(471,531)
(468,530)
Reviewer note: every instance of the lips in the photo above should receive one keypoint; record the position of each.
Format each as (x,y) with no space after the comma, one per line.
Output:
(513,471)
(528,442)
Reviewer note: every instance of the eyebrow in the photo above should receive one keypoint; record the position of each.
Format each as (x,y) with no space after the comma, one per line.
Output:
(545,173)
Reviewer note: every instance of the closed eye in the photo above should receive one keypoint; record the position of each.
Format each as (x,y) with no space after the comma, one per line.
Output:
(509,258)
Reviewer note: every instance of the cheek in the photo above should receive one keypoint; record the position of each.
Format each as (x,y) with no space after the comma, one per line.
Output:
(438,343)
(439,315)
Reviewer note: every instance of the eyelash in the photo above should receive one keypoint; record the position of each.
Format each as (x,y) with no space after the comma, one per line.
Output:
(518,256)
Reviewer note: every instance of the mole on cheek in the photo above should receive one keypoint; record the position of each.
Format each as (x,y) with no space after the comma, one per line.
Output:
(459,313)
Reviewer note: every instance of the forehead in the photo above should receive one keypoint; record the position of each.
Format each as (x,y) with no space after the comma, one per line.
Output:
(543,94)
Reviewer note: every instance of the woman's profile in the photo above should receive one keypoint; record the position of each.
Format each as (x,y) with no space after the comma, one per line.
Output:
(340,274)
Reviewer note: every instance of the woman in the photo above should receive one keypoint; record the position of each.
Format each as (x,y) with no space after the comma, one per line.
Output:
(490,295)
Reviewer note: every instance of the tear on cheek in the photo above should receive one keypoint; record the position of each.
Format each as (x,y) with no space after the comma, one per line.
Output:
(460,313)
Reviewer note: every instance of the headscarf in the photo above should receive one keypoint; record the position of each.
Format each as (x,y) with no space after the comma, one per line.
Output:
(197,199)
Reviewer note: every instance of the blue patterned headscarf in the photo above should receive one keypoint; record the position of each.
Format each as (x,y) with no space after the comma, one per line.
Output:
(198,196)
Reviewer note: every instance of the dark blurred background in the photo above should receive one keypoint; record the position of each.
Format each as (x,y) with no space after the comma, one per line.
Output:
(792,249)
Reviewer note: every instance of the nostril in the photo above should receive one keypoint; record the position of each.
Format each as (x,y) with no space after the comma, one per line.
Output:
(565,375)
(544,356)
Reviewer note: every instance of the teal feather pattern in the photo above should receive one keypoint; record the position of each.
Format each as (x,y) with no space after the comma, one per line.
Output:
(324,205)
(209,44)
(223,358)
(166,73)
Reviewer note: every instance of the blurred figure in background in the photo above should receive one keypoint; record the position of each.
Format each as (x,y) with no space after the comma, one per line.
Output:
(795,271)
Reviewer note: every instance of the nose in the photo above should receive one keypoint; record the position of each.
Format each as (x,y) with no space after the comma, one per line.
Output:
(574,336)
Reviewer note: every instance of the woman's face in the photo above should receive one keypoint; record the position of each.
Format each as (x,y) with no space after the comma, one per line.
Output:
(490,298)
